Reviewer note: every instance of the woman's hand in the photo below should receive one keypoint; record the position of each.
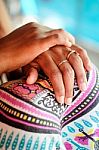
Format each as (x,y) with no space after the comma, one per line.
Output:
(27,42)
(61,77)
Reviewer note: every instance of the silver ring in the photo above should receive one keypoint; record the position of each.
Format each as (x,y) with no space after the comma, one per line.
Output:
(62,62)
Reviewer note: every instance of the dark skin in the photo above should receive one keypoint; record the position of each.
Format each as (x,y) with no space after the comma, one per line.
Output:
(27,42)
(62,78)
(34,44)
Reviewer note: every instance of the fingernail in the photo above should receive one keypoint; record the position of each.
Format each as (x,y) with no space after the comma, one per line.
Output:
(61,99)
(83,86)
(68,101)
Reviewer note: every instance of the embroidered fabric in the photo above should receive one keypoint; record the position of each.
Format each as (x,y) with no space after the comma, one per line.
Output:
(32,119)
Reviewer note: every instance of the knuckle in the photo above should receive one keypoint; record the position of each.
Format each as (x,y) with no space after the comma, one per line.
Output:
(61,30)
(30,24)
(83,52)
(56,36)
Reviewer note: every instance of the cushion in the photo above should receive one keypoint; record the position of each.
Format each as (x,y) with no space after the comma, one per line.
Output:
(32,119)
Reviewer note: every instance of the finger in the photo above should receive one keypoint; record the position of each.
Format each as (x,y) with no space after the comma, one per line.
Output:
(63,36)
(45,43)
(70,37)
(66,70)
(31,72)
(77,64)
(84,56)
(32,76)
(68,78)
(50,31)
(54,75)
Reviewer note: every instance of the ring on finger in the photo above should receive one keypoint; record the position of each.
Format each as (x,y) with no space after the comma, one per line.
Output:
(63,61)
(70,53)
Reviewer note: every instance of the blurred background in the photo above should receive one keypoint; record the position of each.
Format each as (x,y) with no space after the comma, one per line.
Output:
(80,17)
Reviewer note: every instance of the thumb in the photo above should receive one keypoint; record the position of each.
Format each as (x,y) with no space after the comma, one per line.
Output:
(32,76)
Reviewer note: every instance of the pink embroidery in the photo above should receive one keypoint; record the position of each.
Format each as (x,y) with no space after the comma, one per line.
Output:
(82,96)
(28,124)
(25,106)
(68,146)
(82,140)
(96,133)
(26,91)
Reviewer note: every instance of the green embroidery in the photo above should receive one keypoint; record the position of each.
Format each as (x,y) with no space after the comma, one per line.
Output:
(43,146)
(58,145)
(1,132)
(29,143)
(22,143)
(14,144)
(36,144)
(8,142)
(3,140)
(51,144)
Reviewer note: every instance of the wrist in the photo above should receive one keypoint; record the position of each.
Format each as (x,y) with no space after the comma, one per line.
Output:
(4,57)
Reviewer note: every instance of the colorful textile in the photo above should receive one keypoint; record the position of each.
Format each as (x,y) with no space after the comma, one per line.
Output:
(31,118)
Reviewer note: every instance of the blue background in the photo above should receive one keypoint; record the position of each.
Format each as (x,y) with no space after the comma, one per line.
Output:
(80,17)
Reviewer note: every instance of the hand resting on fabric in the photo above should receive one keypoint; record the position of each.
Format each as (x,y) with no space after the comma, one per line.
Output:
(31,118)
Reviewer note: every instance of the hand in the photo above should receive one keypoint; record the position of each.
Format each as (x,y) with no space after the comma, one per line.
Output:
(27,42)
(62,78)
